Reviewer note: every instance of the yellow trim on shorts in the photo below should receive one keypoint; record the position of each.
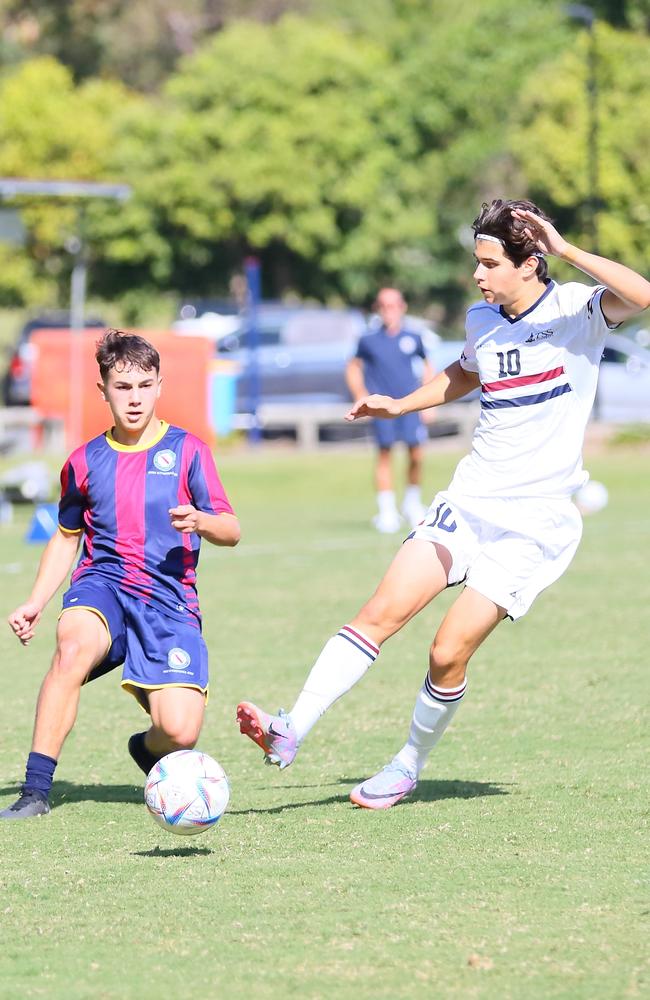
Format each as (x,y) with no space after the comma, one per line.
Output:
(70,531)
(95,611)
(130,685)
(164,427)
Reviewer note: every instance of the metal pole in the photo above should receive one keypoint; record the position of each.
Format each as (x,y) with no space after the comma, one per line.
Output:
(593,151)
(77,325)
(13,187)
(253,282)
(593,161)
(585,14)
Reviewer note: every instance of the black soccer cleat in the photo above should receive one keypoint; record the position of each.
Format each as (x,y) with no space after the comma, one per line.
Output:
(31,803)
(143,757)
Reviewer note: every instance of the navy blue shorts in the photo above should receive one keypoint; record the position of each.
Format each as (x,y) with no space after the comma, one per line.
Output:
(407,428)
(156,650)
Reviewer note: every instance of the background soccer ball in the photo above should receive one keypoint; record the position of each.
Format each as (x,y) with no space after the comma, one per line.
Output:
(186,792)
(591,497)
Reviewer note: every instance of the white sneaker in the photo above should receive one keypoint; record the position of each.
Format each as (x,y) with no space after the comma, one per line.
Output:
(387,523)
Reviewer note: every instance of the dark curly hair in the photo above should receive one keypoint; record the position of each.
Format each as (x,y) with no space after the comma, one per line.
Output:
(497,220)
(123,351)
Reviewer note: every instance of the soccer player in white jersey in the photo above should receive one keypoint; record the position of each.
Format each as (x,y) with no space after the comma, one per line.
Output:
(505,527)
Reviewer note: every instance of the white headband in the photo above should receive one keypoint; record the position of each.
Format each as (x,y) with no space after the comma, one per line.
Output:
(495,239)
(491,239)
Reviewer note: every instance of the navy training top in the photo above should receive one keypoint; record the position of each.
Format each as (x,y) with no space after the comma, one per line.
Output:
(389,363)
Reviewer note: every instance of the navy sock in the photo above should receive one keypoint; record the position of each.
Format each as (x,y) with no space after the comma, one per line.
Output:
(141,754)
(39,773)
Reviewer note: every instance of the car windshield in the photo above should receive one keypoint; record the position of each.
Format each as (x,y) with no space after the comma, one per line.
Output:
(296,327)
(313,326)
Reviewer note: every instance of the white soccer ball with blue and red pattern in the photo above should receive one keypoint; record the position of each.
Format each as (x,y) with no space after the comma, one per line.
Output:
(186,792)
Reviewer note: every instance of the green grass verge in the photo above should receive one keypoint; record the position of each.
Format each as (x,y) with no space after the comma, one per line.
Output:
(518,869)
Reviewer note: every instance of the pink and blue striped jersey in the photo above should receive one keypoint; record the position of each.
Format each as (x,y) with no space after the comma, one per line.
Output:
(120,497)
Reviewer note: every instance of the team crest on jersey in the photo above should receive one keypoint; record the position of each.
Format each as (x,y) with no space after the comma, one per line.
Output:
(165,460)
(538,335)
(408,345)
(178,659)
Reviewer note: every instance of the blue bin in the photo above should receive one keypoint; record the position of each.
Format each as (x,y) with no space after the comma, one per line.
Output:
(222,396)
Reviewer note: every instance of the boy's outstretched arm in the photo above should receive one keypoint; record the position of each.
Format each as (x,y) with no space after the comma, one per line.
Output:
(450,384)
(54,567)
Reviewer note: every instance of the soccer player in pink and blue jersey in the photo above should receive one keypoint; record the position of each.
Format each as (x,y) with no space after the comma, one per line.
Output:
(142,496)
(505,527)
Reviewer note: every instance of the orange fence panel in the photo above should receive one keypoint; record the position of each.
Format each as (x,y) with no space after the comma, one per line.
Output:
(65,374)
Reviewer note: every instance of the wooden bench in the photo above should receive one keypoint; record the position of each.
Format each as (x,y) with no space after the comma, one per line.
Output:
(307,419)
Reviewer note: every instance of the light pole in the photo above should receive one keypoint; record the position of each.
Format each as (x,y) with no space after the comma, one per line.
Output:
(253,298)
(583,13)
(13,187)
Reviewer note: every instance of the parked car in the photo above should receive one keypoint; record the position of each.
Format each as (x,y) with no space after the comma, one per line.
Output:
(301,355)
(16,382)
(624,381)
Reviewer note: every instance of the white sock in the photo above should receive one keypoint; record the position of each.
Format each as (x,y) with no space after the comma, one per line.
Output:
(412,497)
(434,709)
(343,661)
(386,502)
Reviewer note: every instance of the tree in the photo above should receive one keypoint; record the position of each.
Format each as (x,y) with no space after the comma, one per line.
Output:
(550,143)
(343,161)
(347,153)
(278,139)
(50,129)
(136,41)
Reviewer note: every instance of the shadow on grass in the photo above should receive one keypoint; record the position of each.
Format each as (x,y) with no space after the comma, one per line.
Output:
(67,791)
(173,852)
(288,805)
(433,791)
(427,791)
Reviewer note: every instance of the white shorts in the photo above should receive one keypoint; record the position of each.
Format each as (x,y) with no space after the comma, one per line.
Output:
(509,550)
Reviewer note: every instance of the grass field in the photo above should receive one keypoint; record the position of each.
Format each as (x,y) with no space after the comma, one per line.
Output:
(519,869)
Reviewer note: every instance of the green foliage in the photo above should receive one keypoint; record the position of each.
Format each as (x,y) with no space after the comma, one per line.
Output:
(347,147)
(138,42)
(343,161)
(51,129)
(551,143)
(460,87)
(279,140)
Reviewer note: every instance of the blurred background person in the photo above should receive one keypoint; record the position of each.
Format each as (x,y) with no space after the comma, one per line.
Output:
(390,359)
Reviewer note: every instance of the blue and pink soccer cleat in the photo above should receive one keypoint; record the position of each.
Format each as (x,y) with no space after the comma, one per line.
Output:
(386,788)
(273,733)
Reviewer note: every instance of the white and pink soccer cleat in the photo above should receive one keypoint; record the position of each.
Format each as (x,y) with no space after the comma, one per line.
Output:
(274,734)
(386,788)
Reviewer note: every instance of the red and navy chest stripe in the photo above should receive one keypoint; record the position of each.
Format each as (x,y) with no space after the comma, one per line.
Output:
(492,398)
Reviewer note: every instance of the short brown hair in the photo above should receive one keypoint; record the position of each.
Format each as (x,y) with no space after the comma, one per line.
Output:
(497,220)
(121,350)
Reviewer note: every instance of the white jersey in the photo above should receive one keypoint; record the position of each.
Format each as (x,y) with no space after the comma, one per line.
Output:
(538,376)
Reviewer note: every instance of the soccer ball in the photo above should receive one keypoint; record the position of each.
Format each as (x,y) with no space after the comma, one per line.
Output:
(186,792)
(591,497)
